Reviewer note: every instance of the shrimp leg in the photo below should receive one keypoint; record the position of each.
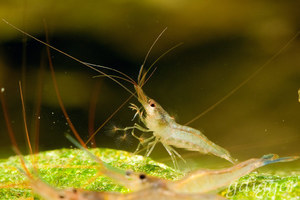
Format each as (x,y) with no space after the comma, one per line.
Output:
(138,112)
(142,142)
(172,156)
(177,154)
(149,150)
(140,128)
(135,126)
(173,153)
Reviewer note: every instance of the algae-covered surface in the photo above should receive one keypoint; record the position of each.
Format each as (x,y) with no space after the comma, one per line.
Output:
(67,168)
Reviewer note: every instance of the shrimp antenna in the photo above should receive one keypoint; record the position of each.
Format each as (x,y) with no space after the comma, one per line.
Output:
(246,80)
(11,132)
(117,77)
(92,112)
(57,90)
(7,119)
(24,118)
(26,127)
(127,78)
(110,171)
(61,102)
(148,53)
(104,166)
(68,55)
(142,81)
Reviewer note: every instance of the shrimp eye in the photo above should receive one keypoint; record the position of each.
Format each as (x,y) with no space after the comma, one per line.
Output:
(151,103)
(142,176)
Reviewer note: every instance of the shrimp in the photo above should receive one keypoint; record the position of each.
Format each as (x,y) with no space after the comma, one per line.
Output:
(201,181)
(167,131)
(164,127)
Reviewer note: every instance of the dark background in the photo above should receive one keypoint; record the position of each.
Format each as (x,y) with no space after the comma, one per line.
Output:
(223,45)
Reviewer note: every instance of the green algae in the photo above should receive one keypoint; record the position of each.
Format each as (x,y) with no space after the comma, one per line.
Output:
(73,168)
(66,168)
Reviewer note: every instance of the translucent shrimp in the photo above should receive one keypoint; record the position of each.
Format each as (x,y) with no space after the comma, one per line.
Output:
(209,181)
(202,181)
(167,131)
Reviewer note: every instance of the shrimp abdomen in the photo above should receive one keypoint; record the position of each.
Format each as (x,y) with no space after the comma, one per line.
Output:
(192,140)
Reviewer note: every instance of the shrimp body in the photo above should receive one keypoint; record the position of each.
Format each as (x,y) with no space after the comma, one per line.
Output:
(202,181)
(193,140)
(167,131)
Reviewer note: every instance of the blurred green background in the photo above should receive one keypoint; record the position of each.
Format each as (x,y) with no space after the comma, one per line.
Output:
(224,43)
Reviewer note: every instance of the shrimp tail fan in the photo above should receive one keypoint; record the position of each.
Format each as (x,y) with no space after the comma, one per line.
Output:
(273,158)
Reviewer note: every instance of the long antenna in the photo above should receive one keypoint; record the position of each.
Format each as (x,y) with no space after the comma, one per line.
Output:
(58,94)
(92,112)
(24,118)
(147,55)
(10,130)
(68,55)
(245,81)
(7,119)
(141,81)
(126,77)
